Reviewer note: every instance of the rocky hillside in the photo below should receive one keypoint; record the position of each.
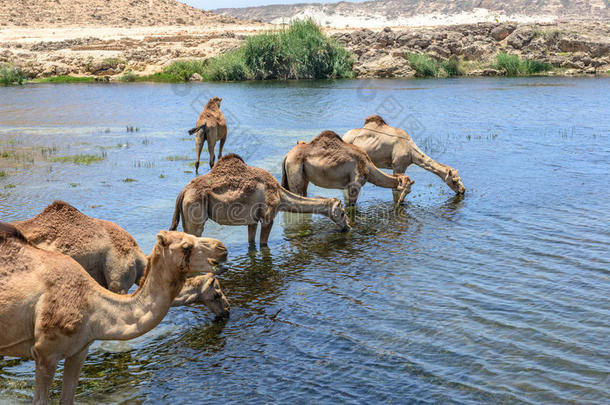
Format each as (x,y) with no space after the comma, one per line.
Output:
(426,12)
(44,13)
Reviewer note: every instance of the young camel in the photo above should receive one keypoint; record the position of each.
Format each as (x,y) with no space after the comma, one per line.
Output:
(233,193)
(329,162)
(109,253)
(50,308)
(393,148)
(212,127)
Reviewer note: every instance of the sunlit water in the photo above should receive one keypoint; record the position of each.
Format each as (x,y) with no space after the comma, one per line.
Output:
(497,297)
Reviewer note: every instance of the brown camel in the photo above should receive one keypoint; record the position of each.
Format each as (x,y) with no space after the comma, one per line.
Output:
(233,193)
(393,148)
(329,162)
(109,253)
(50,308)
(212,127)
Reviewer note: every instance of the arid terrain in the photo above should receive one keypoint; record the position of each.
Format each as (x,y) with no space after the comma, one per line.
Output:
(106,39)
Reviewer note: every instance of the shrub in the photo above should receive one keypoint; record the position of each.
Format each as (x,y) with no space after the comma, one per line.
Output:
(452,67)
(182,70)
(10,74)
(424,65)
(514,66)
(229,66)
(129,76)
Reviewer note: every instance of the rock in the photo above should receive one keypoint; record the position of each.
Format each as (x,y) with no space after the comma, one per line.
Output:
(476,50)
(521,37)
(386,66)
(573,64)
(502,31)
(196,77)
(439,50)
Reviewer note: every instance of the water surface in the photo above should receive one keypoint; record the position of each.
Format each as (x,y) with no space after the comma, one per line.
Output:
(497,297)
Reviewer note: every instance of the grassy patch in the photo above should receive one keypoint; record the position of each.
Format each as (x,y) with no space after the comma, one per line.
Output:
(3,174)
(426,66)
(129,76)
(515,66)
(81,159)
(9,186)
(129,180)
(65,79)
(9,74)
(174,158)
(227,67)
(113,62)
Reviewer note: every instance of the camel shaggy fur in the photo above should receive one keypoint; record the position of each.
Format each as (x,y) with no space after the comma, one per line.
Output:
(51,308)
(108,253)
(233,193)
(211,127)
(393,148)
(329,162)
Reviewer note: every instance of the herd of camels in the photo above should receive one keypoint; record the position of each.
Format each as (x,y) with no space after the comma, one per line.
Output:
(64,276)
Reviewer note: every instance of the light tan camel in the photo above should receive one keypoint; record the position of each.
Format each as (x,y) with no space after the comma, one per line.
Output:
(50,308)
(109,253)
(233,193)
(212,127)
(393,148)
(329,162)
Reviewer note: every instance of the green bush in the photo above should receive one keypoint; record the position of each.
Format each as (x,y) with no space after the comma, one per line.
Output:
(301,51)
(129,76)
(10,74)
(66,79)
(452,67)
(182,70)
(424,65)
(515,66)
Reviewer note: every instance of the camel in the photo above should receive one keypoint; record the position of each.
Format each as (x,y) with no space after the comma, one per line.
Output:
(212,127)
(329,162)
(393,148)
(107,252)
(51,308)
(233,193)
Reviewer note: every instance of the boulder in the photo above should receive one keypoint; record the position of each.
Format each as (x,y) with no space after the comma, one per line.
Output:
(502,31)
(196,77)
(521,37)
(386,66)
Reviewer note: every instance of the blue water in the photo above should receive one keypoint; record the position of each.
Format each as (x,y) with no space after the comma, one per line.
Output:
(497,297)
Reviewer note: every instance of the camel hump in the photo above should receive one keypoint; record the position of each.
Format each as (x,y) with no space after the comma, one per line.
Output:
(327,136)
(301,142)
(376,119)
(8,231)
(230,156)
(59,205)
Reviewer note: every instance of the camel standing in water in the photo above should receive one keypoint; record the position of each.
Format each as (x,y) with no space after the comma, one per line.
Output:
(50,308)
(109,253)
(329,162)
(212,127)
(393,148)
(233,193)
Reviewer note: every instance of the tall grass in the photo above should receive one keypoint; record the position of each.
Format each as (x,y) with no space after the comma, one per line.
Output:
(301,51)
(515,66)
(10,74)
(426,66)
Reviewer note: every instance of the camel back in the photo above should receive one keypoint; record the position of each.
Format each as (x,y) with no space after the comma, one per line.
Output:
(231,173)
(8,231)
(336,150)
(376,119)
(211,115)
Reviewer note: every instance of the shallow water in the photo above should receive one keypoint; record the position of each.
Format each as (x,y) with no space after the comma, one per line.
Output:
(497,297)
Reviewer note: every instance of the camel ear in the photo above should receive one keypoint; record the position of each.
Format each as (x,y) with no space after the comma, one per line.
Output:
(162,238)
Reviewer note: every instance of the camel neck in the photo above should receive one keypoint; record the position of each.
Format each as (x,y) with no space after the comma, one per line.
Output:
(291,202)
(381,179)
(122,317)
(427,163)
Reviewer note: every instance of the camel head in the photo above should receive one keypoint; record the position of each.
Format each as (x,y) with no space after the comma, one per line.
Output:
(337,214)
(212,296)
(404,186)
(191,254)
(214,101)
(454,182)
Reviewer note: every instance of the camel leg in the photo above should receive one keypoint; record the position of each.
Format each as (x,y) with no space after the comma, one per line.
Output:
(222,144)
(265,231)
(194,215)
(399,168)
(199,141)
(211,151)
(45,371)
(72,371)
(252,233)
(352,191)
(297,183)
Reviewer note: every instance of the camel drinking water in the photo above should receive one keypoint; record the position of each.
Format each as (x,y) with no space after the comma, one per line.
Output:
(211,127)
(51,308)
(329,162)
(393,148)
(109,253)
(233,193)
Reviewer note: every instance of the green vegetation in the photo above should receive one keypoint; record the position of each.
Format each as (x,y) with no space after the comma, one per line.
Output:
(426,66)
(3,174)
(113,62)
(129,76)
(9,186)
(229,66)
(81,159)
(515,66)
(65,79)
(9,74)
(129,180)
(174,158)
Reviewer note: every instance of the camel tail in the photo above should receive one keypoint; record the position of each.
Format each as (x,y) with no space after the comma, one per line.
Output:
(177,211)
(284,175)
(193,130)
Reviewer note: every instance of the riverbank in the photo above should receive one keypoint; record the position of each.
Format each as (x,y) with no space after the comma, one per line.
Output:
(145,53)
